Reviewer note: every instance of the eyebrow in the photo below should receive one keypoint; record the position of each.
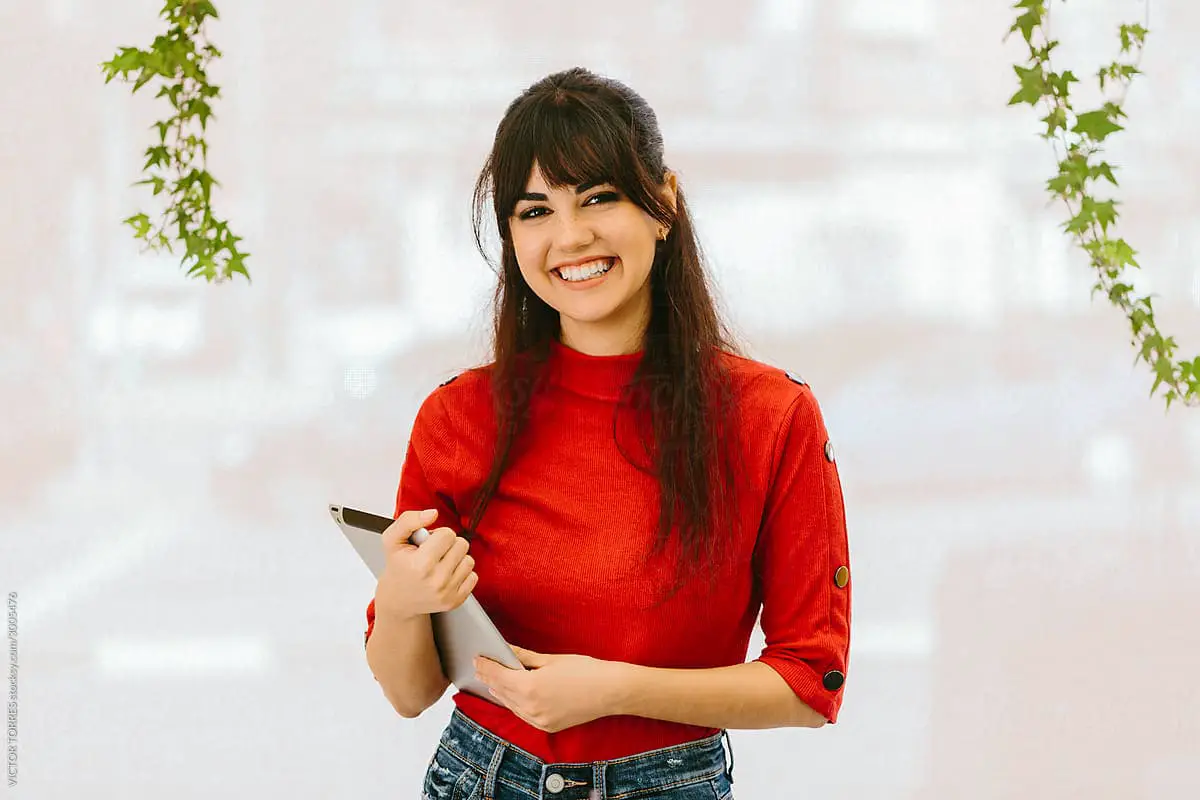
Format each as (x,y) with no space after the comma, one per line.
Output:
(580,189)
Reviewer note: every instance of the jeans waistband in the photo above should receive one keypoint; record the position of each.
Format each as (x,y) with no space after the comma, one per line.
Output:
(632,776)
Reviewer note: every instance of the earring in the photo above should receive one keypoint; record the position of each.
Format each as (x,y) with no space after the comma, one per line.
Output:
(662,234)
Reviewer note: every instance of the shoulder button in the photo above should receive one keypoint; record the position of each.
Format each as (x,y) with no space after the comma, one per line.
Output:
(794,378)
(448,381)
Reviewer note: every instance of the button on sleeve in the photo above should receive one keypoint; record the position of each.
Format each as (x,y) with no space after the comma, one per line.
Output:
(802,560)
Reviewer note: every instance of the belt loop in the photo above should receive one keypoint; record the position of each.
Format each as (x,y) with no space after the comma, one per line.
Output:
(729,770)
(493,770)
(599,790)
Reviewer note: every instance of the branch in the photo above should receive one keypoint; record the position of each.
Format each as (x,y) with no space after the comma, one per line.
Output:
(177,165)
(1092,221)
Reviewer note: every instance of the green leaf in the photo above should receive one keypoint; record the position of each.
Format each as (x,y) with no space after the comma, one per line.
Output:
(1033,85)
(1119,293)
(1102,170)
(1114,111)
(1056,120)
(237,263)
(1096,125)
(156,156)
(162,128)
(1103,211)
(1113,253)
(1164,371)
(202,9)
(1132,36)
(1026,24)
(1061,83)
(146,76)
(1044,53)
(140,224)
(156,181)
(202,110)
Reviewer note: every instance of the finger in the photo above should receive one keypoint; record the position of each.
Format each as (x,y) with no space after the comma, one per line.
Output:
(502,697)
(449,563)
(486,669)
(485,675)
(404,525)
(434,549)
(497,675)
(465,590)
(460,573)
(528,657)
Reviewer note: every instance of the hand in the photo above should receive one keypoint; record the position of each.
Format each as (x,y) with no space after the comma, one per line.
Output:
(436,576)
(557,691)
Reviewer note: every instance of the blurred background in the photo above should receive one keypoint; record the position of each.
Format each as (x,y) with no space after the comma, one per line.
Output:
(1024,520)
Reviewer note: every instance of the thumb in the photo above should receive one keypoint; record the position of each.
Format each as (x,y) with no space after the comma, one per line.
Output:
(529,658)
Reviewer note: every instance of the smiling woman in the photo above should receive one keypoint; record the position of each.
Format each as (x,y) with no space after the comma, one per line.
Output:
(587,254)
(633,491)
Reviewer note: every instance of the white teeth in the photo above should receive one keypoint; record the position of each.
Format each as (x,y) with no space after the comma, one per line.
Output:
(584,271)
(589,270)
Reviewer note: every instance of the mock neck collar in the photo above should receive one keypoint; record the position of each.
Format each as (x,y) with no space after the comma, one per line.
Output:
(599,377)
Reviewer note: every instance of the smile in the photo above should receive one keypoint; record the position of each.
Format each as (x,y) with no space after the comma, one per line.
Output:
(586,275)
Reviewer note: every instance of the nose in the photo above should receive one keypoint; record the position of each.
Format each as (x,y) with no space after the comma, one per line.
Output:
(572,233)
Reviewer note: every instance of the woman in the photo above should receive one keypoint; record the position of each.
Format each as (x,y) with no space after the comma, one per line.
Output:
(631,491)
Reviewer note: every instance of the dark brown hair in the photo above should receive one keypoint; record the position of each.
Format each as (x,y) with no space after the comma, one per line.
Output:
(578,126)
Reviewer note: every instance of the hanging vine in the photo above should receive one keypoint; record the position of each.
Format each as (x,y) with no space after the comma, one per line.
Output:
(177,163)
(1078,138)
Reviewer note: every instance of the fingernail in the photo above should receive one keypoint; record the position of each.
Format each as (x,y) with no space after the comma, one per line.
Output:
(429,513)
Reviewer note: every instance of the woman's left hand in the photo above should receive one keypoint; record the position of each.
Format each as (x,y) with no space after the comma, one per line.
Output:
(556,691)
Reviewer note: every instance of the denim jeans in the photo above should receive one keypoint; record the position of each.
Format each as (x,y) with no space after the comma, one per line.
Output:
(471,763)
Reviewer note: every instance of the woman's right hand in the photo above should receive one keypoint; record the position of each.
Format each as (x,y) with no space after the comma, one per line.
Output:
(436,576)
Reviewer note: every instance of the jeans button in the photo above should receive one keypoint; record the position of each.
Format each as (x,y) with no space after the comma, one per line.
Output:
(555,783)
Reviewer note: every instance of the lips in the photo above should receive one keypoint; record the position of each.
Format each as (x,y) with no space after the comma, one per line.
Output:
(580,262)
(588,282)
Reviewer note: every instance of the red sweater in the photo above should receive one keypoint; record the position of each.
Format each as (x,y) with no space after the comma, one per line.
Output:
(563,550)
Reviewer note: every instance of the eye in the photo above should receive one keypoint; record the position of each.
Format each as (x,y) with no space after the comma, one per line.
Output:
(529,213)
(535,212)
(603,197)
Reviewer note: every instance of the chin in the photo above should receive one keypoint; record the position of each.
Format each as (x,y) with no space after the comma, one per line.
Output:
(589,316)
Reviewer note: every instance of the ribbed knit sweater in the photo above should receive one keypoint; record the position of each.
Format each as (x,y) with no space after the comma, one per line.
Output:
(564,551)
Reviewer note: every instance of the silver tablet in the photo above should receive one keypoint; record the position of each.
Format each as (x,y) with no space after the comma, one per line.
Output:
(461,634)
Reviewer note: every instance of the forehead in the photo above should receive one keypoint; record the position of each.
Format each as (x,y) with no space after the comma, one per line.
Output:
(538,182)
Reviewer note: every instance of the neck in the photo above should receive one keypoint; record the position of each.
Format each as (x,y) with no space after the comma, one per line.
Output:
(599,377)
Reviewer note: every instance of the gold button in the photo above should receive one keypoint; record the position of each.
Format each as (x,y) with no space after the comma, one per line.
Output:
(841,577)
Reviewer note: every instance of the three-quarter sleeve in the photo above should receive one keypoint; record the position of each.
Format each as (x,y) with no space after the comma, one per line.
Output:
(425,475)
(802,560)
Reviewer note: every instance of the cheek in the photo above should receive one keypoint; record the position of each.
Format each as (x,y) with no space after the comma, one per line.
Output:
(639,255)
(530,253)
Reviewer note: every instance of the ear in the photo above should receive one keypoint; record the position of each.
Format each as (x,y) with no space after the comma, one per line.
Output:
(669,189)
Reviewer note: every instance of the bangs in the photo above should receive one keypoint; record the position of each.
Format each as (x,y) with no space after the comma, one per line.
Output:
(572,142)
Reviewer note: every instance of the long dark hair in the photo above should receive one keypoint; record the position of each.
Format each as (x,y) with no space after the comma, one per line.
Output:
(578,126)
